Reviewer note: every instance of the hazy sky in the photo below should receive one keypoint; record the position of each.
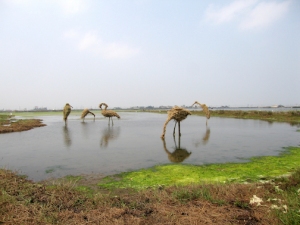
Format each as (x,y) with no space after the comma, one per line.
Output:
(149,53)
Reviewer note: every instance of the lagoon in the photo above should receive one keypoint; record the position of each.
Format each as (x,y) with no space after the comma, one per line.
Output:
(133,142)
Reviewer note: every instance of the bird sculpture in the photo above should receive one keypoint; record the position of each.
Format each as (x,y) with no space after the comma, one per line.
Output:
(66,112)
(179,155)
(178,114)
(85,112)
(108,113)
(205,110)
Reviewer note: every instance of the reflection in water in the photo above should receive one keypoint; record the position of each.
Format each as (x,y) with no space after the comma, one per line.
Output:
(108,134)
(179,155)
(86,129)
(67,138)
(205,138)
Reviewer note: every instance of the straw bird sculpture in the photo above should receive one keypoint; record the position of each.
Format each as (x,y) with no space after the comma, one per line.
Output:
(85,112)
(108,113)
(205,110)
(178,114)
(66,112)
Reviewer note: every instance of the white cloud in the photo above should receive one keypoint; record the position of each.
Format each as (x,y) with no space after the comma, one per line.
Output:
(73,6)
(67,6)
(70,34)
(229,12)
(118,50)
(264,14)
(90,42)
(248,13)
(18,2)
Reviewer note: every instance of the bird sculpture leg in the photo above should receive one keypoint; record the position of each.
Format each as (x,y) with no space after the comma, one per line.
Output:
(174,129)
(164,129)
(179,128)
(112,122)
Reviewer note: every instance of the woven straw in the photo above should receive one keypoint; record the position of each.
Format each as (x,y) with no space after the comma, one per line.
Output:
(204,108)
(67,111)
(178,114)
(85,112)
(108,113)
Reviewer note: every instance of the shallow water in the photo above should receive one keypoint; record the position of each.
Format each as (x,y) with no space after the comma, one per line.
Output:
(134,142)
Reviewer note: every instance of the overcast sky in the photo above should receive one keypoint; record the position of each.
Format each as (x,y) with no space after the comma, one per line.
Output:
(149,53)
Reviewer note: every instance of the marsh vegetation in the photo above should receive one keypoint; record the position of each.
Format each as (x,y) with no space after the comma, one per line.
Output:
(9,124)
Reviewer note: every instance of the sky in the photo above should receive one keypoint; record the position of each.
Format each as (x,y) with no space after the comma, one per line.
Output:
(129,53)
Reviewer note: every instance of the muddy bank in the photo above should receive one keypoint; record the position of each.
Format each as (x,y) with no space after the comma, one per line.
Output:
(8,126)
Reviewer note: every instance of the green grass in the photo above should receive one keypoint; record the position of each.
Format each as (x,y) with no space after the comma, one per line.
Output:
(4,117)
(259,168)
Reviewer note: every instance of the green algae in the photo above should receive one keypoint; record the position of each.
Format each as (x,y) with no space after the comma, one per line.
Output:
(258,168)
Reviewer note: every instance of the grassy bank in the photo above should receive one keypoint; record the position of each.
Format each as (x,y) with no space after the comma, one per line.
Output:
(64,202)
(9,124)
(292,117)
(284,116)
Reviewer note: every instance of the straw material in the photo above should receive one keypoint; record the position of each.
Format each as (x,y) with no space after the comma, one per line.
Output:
(108,113)
(67,111)
(85,112)
(204,108)
(178,114)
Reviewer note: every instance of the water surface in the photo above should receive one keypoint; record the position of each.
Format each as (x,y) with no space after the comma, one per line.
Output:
(134,142)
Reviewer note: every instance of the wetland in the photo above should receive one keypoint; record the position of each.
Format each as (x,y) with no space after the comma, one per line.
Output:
(208,176)
(134,142)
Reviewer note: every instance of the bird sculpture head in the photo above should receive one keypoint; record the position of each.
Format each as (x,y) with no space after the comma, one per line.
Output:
(67,104)
(100,106)
(196,102)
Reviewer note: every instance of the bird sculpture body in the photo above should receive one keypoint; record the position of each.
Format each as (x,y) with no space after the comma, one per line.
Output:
(178,114)
(84,114)
(66,112)
(108,113)
(205,110)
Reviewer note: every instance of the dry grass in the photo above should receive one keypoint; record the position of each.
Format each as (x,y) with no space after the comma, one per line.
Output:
(25,202)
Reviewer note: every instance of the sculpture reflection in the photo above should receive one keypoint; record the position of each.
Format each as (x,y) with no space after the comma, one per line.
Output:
(205,138)
(110,133)
(86,128)
(179,155)
(67,138)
